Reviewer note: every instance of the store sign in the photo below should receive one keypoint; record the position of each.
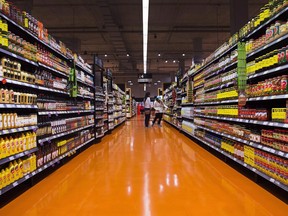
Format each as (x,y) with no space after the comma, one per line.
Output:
(145,78)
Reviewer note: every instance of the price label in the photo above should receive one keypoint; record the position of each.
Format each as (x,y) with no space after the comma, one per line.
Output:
(272,180)
(15,56)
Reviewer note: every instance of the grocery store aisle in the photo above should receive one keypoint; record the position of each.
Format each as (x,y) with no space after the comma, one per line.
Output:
(137,171)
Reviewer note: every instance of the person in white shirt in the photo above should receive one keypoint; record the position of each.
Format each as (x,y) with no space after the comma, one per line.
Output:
(159,109)
(147,108)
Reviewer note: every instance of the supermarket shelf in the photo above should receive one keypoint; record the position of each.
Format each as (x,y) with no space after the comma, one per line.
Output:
(172,124)
(32,35)
(99,94)
(18,106)
(64,112)
(63,134)
(266,23)
(105,131)
(184,80)
(80,81)
(52,69)
(18,57)
(178,99)
(217,102)
(110,103)
(188,117)
(105,120)
(110,111)
(19,155)
(99,136)
(187,104)
(84,69)
(119,123)
(16,82)
(220,86)
(116,117)
(272,97)
(273,70)
(85,96)
(255,145)
(101,125)
(100,100)
(200,86)
(267,46)
(183,93)
(51,90)
(221,70)
(49,164)
(99,108)
(16,130)
(100,117)
(266,123)
(272,180)
(179,92)
(168,114)
(215,59)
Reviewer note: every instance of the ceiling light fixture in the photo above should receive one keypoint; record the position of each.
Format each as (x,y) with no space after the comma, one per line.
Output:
(183,54)
(159,81)
(105,55)
(166,61)
(128,55)
(145,14)
(159,54)
(129,81)
(174,61)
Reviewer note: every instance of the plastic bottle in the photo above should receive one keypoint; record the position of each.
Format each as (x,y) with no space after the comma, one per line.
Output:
(4,178)
(1,180)
(12,172)
(16,170)
(8,176)
(20,168)
(12,145)
(7,143)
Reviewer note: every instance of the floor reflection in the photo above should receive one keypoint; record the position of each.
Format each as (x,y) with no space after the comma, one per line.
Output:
(145,171)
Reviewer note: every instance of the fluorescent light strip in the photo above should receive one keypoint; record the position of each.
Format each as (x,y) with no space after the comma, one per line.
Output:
(145,12)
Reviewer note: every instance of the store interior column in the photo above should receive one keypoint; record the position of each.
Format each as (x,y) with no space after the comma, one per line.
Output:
(238,15)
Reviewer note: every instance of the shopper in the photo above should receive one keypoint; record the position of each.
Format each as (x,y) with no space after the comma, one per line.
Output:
(147,108)
(159,109)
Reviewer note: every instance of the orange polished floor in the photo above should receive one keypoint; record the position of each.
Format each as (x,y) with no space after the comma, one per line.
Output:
(146,172)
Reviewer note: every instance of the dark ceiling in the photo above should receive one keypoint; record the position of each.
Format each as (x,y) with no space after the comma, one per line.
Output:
(114,27)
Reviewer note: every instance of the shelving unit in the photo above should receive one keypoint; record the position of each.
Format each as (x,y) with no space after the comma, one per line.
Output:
(48,112)
(130,104)
(99,112)
(119,98)
(239,101)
